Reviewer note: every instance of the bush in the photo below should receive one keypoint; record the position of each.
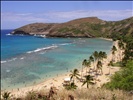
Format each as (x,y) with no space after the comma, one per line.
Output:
(122,79)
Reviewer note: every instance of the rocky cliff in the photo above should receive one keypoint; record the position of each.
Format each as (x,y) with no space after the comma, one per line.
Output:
(83,27)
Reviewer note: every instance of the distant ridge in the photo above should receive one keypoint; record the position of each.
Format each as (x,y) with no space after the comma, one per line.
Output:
(83,27)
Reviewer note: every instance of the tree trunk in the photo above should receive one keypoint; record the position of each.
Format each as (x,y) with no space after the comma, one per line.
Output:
(109,70)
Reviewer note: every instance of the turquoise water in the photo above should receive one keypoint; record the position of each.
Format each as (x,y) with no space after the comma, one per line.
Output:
(27,59)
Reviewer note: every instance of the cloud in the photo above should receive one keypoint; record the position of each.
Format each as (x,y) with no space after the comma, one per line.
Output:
(13,20)
(104,14)
(60,16)
(18,17)
(24,14)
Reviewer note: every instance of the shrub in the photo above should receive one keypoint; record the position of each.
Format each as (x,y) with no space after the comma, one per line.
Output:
(122,79)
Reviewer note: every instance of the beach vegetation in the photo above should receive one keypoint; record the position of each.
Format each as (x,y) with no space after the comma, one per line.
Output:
(84,64)
(82,94)
(118,64)
(32,95)
(122,79)
(88,65)
(114,49)
(99,67)
(6,95)
(74,75)
(110,64)
(88,80)
(99,56)
(102,55)
(71,86)
(95,55)
(91,58)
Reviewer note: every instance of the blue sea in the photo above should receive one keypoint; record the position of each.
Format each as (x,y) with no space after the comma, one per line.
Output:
(28,60)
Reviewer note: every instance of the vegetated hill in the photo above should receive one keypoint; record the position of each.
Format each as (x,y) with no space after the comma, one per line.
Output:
(83,27)
(35,28)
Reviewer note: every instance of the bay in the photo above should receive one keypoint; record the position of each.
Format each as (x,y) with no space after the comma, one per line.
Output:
(26,60)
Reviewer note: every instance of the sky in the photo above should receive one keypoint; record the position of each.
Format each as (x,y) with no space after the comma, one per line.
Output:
(15,14)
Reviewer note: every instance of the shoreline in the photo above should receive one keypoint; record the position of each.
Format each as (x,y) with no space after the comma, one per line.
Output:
(105,39)
(58,80)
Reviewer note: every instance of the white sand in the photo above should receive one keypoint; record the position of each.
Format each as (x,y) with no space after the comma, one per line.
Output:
(57,81)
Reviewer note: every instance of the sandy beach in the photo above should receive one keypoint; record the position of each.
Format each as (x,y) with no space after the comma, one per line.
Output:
(57,81)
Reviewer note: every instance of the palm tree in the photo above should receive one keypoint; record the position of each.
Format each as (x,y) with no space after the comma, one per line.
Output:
(84,62)
(99,66)
(102,55)
(88,80)
(113,51)
(88,65)
(83,65)
(95,54)
(110,64)
(6,95)
(91,58)
(121,45)
(74,74)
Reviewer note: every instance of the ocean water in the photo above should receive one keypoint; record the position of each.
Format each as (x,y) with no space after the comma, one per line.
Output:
(28,60)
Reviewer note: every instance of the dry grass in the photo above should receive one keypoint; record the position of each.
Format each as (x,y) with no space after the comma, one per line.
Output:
(79,94)
(94,94)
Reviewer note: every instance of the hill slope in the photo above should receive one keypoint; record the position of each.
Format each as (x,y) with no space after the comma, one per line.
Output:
(83,27)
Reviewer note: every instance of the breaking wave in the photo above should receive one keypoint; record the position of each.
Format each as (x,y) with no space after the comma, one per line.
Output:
(65,43)
(8,34)
(37,50)
(48,48)
(13,59)
(40,49)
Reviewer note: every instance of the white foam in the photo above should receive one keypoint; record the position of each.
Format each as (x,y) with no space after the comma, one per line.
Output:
(65,44)
(3,61)
(46,48)
(30,52)
(14,58)
(8,34)
(43,36)
(22,58)
(40,35)
(40,49)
